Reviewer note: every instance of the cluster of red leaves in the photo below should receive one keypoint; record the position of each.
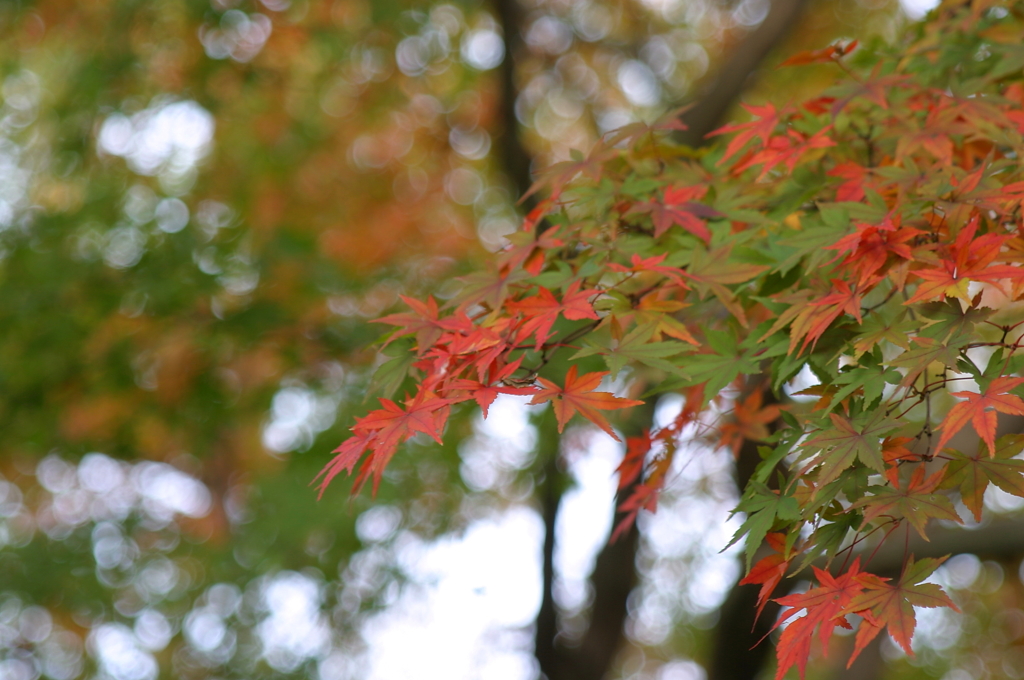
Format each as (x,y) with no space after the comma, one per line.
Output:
(886,276)
(880,603)
(463,360)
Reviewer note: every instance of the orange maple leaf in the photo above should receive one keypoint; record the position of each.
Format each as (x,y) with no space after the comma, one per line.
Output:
(578,396)
(892,605)
(825,606)
(542,310)
(750,421)
(976,410)
(916,503)
(815,317)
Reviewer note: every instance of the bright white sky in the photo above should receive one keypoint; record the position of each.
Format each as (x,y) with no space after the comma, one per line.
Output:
(916,9)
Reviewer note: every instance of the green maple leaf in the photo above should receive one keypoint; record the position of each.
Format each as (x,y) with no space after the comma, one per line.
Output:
(915,502)
(848,441)
(388,378)
(636,347)
(721,367)
(763,507)
(973,473)
(928,350)
(947,318)
(870,377)
(880,326)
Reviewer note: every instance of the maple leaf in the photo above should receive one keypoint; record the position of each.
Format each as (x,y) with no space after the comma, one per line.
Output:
(892,604)
(870,246)
(813,317)
(973,473)
(651,264)
(874,89)
(524,247)
(980,411)
(769,570)
(825,606)
(636,346)
(850,440)
(714,269)
(678,205)
(484,393)
(423,322)
(763,507)
(558,175)
(489,287)
(928,350)
(425,413)
(894,452)
(788,150)
(633,461)
(822,56)
(916,502)
(644,496)
(855,176)
(381,432)
(750,419)
(880,326)
(542,310)
(969,259)
(578,396)
(347,455)
(767,119)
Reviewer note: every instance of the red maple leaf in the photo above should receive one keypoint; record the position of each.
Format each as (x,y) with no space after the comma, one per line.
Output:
(484,393)
(822,56)
(980,411)
(894,452)
(679,206)
(382,431)
(348,454)
(651,264)
(578,396)
(762,127)
(749,422)
(824,606)
(855,176)
(423,322)
(787,149)
(769,570)
(969,258)
(644,496)
(525,246)
(870,246)
(542,310)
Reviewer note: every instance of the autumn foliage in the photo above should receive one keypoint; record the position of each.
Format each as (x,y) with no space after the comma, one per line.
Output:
(871,237)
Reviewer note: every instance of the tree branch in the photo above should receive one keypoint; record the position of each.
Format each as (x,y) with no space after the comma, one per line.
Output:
(516,160)
(713,101)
